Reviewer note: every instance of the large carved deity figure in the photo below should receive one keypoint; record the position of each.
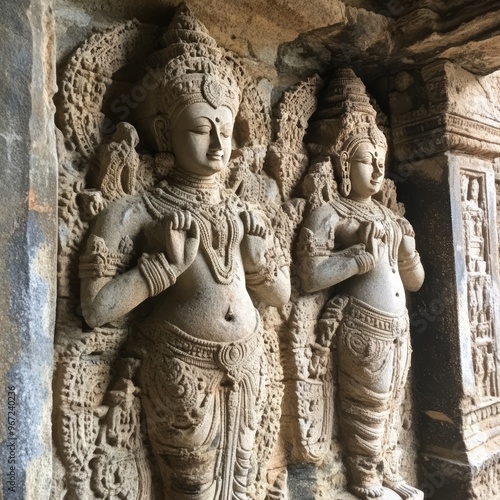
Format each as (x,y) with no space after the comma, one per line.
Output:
(365,254)
(187,252)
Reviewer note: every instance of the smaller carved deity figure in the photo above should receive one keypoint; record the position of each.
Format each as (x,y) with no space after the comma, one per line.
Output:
(473,215)
(487,300)
(490,376)
(368,253)
(190,250)
(473,304)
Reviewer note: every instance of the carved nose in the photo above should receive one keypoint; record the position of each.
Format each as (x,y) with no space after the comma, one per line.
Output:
(215,140)
(378,170)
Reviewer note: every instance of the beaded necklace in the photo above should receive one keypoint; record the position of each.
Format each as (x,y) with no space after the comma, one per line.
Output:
(215,210)
(372,211)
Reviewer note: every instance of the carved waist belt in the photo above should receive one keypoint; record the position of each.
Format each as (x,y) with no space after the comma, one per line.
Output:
(380,324)
(165,338)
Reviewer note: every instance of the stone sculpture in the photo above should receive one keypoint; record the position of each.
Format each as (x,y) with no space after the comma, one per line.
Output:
(367,252)
(189,249)
(183,368)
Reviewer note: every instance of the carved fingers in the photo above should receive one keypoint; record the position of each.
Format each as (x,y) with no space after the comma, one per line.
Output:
(253,245)
(374,237)
(407,247)
(253,224)
(182,239)
(180,221)
(377,244)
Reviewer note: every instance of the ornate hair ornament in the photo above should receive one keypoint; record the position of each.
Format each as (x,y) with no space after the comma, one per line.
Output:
(191,69)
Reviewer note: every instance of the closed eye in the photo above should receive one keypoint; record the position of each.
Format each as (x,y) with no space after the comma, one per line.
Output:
(226,132)
(202,129)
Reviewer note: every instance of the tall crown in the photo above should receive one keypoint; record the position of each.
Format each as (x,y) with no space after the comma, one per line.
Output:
(191,69)
(345,117)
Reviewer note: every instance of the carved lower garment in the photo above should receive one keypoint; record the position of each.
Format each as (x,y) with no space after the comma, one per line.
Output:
(203,403)
(373,360)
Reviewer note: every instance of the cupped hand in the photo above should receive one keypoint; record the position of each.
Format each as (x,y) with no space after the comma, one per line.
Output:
(253,245)
(182,240)
(374,237)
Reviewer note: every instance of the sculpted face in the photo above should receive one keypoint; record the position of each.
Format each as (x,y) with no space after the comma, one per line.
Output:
(201,139)
(474,190)
(366,170)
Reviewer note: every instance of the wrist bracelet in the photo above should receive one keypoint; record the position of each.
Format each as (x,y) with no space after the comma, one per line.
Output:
(365,262)
(157,272)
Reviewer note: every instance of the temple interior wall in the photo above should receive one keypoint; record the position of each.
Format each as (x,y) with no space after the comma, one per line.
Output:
(432,69)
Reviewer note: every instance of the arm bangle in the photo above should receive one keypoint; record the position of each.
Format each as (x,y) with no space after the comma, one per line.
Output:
(409,264)
(157,272)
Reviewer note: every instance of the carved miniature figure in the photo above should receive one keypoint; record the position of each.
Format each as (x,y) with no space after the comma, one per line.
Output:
(473,221)
(353,242)
(490,379)
(190,250)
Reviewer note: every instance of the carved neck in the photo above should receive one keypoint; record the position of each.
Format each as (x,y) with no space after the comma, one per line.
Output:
(206,189)
(366,206)
(360,199)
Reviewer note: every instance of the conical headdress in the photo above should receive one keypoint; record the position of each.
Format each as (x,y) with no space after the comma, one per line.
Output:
(345,117)
(191,68)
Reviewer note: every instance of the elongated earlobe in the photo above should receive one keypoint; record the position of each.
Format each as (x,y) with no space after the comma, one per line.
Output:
(161,133)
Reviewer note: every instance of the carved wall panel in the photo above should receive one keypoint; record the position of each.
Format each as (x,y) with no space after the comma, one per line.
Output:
(496,167)
(102,434)
(480,295)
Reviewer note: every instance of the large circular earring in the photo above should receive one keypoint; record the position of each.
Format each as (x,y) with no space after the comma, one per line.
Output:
(345,182)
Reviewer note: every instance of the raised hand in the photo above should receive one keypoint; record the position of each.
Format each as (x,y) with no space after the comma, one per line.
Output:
(407,247)
(253,245)
(182,239)
(373,235)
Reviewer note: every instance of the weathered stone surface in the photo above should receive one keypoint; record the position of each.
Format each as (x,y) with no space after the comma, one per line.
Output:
(360,39)
(445,108)
(456,342)
(252,30)
(399,37)
(27,248)
(457,31)
(301,39)
(443,121)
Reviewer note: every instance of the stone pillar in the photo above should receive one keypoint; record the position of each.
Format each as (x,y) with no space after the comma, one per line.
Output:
(28,247)
(446,132)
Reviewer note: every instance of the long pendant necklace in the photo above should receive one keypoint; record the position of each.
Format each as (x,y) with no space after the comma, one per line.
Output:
(217,219)
(372,211)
